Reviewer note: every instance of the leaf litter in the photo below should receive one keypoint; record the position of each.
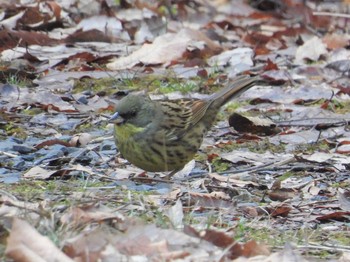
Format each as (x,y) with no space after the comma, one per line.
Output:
(274,189)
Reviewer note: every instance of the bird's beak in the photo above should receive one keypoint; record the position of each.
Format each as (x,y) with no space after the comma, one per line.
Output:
(116,119)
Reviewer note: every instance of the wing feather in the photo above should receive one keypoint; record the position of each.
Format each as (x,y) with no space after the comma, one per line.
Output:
(181,115)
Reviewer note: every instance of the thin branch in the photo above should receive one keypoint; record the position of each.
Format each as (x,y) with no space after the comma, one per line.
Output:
(331,14)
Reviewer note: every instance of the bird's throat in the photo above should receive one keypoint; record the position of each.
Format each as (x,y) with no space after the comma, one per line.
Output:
(125,131)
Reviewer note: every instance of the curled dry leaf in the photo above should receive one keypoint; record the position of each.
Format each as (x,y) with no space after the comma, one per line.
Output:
(80,140)
(338,216)
(282,194)
(52,142)
(254,125)
(343,149)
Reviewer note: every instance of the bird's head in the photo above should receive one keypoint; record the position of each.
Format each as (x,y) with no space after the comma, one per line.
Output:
(136,110)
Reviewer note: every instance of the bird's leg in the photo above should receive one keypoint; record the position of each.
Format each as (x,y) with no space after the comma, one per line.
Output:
(171,174)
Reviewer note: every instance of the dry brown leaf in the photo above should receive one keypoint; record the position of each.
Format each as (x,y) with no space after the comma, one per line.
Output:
(280,210)
(335,41)
(214,199)
(282,194)
(254,125)
(252,249)
(39,173)
(88,246)
(88,214)
(165,48)
(25,244)
(339,216)
(225,241)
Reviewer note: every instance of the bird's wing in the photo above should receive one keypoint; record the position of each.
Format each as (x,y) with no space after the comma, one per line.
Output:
(181,115)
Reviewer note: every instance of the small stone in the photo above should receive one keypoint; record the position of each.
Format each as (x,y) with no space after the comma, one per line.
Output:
(22,149)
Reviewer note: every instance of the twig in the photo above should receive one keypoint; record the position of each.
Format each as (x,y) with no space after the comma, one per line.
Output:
(3,192)
(261,167)
(324,247)
(225,251)
(330,121)
(331,14)
(87,119)
(150,179)
(317,203)
(8,154)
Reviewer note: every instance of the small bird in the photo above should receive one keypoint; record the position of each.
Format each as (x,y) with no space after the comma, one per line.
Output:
(164,135)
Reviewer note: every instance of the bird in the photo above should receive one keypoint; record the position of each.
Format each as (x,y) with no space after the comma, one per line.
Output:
(164,135)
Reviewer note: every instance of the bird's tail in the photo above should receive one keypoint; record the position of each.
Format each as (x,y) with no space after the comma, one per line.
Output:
(237,86)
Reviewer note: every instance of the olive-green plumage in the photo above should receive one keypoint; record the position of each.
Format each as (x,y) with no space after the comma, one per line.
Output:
(165,135)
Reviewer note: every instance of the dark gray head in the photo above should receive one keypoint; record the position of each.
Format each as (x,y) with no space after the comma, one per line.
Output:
(135,109)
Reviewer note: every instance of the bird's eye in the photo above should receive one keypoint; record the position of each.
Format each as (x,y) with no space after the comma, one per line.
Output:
(128,115)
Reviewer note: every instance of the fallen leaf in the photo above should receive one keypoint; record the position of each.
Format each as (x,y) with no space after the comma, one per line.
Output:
(310,50)
(254,125)
(25,244)
(165,48)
